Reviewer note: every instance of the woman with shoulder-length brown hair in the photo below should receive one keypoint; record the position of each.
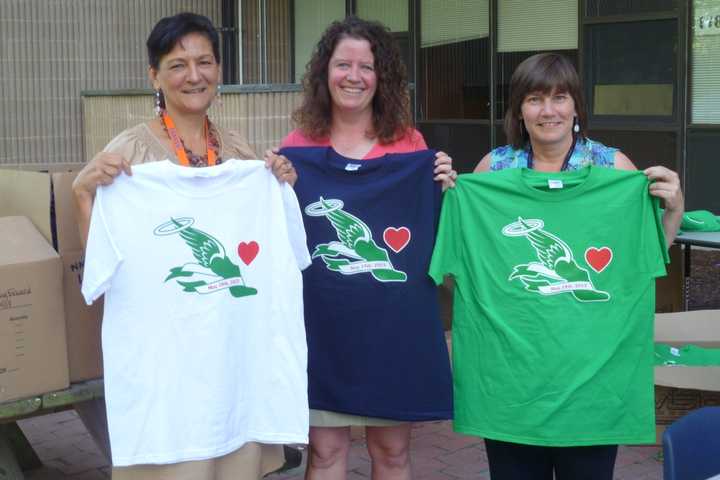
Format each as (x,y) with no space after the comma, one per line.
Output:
(356,101)
(543,72)
(546,128)
(545,125)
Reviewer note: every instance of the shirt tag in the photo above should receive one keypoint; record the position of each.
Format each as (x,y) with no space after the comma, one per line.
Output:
(352,167)
(675,351)
(555,184)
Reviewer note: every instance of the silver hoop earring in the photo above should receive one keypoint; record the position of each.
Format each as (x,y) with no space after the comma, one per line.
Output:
(576,125)
(158,108)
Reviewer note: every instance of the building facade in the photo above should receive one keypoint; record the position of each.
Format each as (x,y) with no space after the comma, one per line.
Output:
(650,68)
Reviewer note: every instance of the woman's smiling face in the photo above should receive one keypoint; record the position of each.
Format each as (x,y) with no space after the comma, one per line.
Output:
(352,80)
(548,117)
(188,75)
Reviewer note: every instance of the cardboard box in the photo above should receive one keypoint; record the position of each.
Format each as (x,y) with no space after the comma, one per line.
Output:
(37,196)
(678,389)
(83,322)
(33,358)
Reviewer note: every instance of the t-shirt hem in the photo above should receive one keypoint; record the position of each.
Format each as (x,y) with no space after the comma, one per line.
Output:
(648,438)
(402,417)
(205,454)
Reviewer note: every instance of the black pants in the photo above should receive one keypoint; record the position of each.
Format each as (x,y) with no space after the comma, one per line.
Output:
(513,461)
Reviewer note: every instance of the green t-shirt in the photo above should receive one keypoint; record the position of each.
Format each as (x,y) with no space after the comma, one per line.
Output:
(554,304)
(687,355)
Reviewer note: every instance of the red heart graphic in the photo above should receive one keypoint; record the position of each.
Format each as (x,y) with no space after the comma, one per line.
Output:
(598,258)
(248,251)
(396,238)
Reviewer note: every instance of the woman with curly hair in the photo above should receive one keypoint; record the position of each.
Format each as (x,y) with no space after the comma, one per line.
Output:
(356,97)
(356,101)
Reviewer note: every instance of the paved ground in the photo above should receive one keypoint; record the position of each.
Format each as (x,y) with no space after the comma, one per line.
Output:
(69,453)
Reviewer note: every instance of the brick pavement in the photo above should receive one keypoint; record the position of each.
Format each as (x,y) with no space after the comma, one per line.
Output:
(69,453)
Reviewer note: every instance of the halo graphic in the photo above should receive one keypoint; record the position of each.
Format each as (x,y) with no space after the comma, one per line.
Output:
(317,209)
(519,229)
(171,227)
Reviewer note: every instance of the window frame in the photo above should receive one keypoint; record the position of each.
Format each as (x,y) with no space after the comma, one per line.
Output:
(689,68)
(651,122)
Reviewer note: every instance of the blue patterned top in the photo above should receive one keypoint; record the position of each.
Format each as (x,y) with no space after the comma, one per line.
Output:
(587,152)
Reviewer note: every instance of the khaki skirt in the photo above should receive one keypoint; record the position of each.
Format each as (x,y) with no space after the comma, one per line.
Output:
(251,461)
(326,418)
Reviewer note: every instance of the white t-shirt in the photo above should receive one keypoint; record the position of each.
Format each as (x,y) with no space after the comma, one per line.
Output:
(203,336)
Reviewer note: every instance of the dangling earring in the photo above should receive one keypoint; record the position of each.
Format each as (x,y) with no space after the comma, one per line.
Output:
(158,108)
(576,125)
(218,95)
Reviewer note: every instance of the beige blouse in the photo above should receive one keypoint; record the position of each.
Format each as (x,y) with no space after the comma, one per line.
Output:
(139,145)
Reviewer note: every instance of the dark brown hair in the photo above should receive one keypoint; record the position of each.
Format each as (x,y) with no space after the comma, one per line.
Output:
(544,73)
(390,104)
(169,30)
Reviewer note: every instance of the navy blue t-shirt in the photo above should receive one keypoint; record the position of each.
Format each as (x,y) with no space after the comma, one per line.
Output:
(375,340)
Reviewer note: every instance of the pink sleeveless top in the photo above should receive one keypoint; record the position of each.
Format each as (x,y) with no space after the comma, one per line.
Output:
(411,142)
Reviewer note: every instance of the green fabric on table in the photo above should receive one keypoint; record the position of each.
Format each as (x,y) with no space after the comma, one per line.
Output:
(687,355)
(700,221)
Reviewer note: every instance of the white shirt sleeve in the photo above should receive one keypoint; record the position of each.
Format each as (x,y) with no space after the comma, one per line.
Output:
(102,256)
(295,227)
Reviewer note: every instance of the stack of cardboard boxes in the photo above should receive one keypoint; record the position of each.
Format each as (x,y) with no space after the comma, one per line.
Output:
(48,337)
(680,389)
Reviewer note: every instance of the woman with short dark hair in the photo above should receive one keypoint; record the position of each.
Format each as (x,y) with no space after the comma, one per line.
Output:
(185,72)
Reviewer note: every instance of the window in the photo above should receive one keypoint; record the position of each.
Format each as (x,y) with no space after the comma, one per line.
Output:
(537,26)
(598,8)
(703,169)
(311,19)
(454,60)
(394,15)
(454,69)
(630,68)
(705,69)
(265,48)
(526,28)
(644,148)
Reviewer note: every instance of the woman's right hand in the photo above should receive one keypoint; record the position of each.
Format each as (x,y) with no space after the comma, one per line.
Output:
(281,167)
(101,170)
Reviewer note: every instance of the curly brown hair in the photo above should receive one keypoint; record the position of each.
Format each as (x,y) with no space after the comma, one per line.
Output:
(390,104)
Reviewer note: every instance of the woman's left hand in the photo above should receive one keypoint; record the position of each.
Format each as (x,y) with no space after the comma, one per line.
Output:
(443,170)
(666,185)
(281,167)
